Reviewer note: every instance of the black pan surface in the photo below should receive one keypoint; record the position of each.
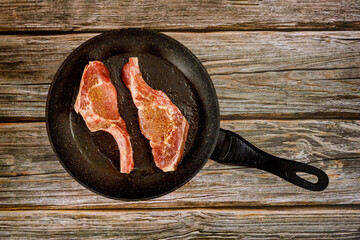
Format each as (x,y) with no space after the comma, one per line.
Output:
(93,158)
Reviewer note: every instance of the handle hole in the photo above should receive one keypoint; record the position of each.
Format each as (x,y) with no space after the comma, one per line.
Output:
(308,177)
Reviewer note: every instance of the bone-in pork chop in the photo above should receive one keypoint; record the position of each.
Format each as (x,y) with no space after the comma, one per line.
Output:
(161,122)
(97,104)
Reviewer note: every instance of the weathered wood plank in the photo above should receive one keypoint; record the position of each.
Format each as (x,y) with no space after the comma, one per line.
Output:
(23,102)
(273,75)
(184,224)
(81,15)
(31,177)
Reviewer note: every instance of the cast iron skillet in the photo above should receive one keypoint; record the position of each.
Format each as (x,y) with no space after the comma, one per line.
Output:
(93,158)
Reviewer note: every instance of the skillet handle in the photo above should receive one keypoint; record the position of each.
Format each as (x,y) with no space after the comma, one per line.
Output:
(233,149)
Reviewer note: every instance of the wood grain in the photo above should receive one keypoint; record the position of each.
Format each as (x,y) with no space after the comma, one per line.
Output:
(185,224)
(82,15)
(257,75)
(31,176)
(287,74)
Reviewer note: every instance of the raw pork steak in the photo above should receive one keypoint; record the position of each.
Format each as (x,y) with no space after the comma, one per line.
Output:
(97,104)
(161,122)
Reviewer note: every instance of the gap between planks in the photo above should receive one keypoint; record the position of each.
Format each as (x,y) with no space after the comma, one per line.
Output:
(330,207)
(341,116)
(174,30)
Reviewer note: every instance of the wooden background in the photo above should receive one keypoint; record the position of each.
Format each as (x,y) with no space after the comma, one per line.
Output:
(287,74)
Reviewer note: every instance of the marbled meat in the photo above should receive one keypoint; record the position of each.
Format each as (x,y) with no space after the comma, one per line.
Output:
(97,104)
(160,121)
